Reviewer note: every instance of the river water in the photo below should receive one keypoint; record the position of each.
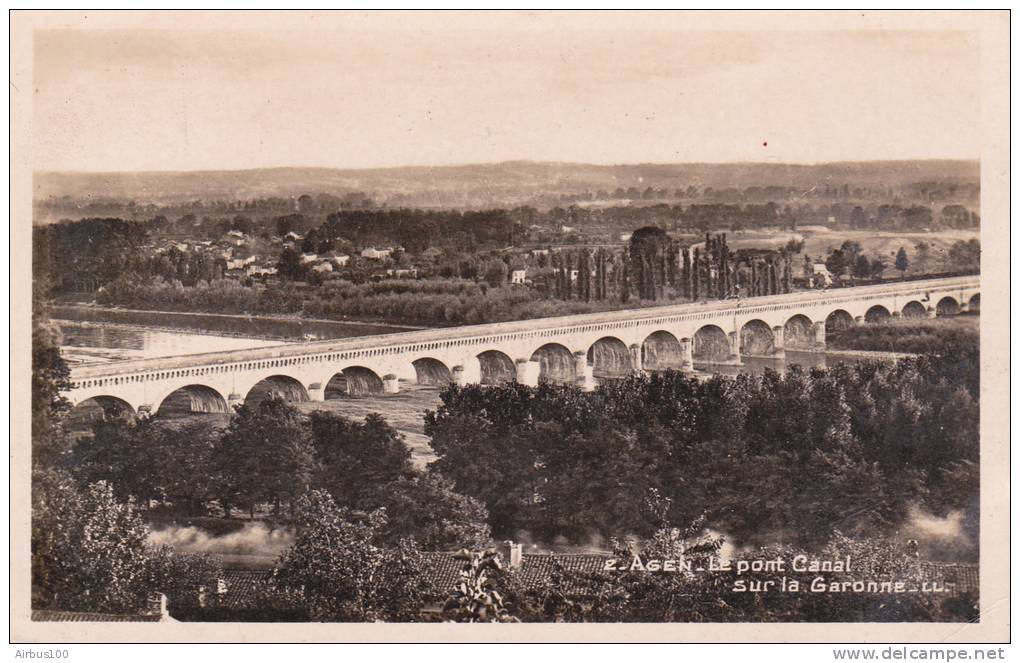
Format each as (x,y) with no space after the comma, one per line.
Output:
(93,335)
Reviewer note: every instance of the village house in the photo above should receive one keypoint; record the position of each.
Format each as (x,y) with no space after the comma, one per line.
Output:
(337,259)
(518,276)
(373,253)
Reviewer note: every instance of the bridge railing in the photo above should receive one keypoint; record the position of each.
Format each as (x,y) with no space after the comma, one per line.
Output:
(423,340)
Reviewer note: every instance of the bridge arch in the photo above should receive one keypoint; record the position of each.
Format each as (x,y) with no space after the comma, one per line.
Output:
(711,344)
(496,367)
(798,333)
(757,339)
(660,351)
(281,386)
(429,371)
(353,381)
(877,313)
(974,305)
(610,358)
(95,409)
(191,399)
(947,306)
(556,363)
(837,321)
(914,309)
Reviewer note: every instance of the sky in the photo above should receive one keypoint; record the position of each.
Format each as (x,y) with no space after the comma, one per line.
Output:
(378,96)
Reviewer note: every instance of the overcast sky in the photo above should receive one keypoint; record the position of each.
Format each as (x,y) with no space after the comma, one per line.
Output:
(368,97)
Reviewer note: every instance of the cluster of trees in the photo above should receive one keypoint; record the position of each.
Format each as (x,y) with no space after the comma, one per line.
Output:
(417,230)
(424,302)
(654,267)
(869,441)
(267,458)
(850,259)
(910,335)
(87,254)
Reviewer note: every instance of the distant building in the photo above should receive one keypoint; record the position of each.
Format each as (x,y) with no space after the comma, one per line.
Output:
(539,252)
(338,259)
(625,237)
(308,258)
(822,272)
(518,276)
(373,253)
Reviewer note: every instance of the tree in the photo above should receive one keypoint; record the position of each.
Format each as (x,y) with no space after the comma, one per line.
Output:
(265,456)
(923,250)
(89,551)
(902,263)
(290,265)
(343,572)
(355,460)
(477,597)
(495,273)
(862,267)
(50,376)
(428,508)
(966,255)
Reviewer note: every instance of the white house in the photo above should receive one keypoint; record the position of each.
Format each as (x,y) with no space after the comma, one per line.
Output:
(518,276)
(373,253)
(308,257)
(338,259)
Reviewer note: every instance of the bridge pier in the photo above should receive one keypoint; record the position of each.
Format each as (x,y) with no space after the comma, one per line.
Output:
(859,320)
(931,312)
(819,335)
(635,357)
(391,384)
(584,371)
(778,350)
(527,372)
(734,348)
(686,355)
(234,400)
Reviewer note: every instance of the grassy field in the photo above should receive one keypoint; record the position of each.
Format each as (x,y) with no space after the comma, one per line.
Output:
(819,242)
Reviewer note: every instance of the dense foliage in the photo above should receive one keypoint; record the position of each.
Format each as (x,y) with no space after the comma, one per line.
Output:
(343,572)
(869,441)
(267,456)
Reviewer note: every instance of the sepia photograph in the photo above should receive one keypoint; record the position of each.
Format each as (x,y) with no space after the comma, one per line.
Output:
(381,326)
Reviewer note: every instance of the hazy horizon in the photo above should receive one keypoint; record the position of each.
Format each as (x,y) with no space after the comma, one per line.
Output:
(806,164)
(495,88)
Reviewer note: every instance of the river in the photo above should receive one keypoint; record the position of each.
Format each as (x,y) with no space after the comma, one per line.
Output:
(95,335)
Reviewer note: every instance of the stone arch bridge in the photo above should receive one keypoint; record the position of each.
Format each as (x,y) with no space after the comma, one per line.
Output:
(577,349)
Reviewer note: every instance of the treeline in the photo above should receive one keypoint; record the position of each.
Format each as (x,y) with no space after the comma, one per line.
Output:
(86,254)
(425,302)
(868,442)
